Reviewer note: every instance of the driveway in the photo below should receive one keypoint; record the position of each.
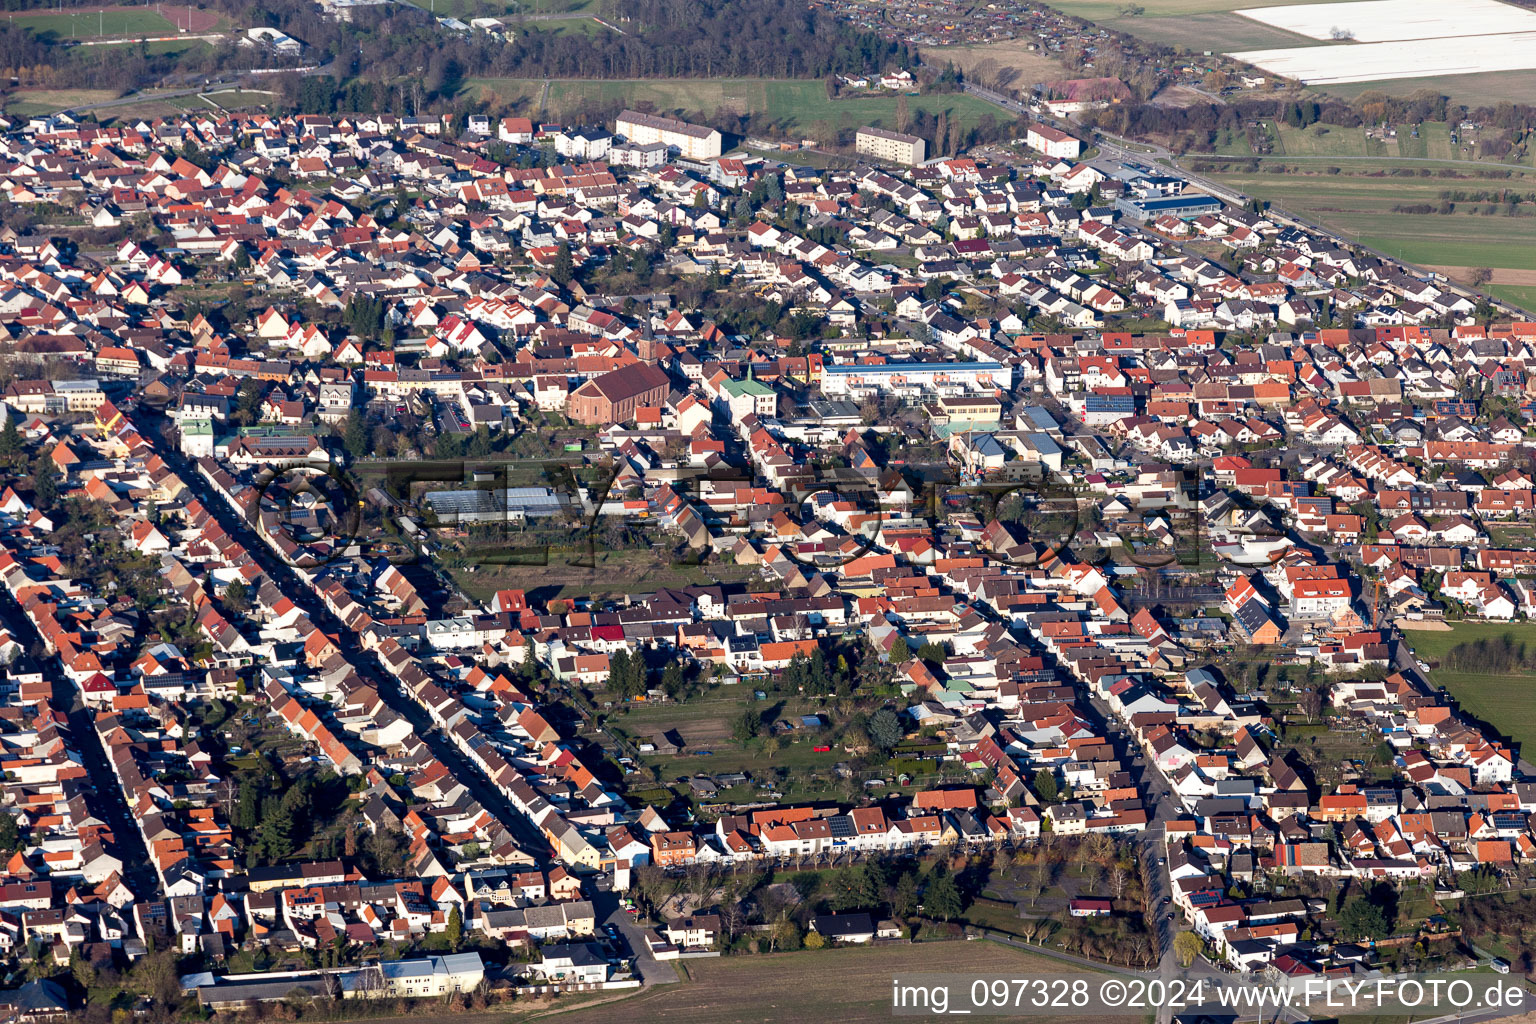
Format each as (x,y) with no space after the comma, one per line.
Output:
(607,909)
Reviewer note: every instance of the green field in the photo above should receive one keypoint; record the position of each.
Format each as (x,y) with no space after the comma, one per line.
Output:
(1359,206)
(1507,702)
(1431,147)
(793,106)
(90,25)
(1521,295)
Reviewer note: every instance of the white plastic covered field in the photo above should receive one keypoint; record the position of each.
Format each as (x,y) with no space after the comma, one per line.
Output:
(1389,39)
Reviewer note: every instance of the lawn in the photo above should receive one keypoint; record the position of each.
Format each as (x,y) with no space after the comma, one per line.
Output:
(1432,645)
(850,986)
(794,106)
(94,24)
(1507,702)
(1522,296)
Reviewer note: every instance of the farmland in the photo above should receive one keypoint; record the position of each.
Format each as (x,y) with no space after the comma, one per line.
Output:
(707,723)
(616,574)
(1391,39)
(1195,25)
(1504,701)
(1470,90)
(791,106)
(1359,201)
(1199,25)
(847,985)
(1005,65)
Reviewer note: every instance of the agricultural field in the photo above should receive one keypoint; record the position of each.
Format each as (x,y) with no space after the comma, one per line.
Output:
(26,102)
(794,106)
(1325,65)
(851,986)
(617,574)
(1469,90)
(1504,701)
(1427,141)
(1195,25)
(1200,25)
(708,723)
(1009,65)
(93,23)
(1358,203)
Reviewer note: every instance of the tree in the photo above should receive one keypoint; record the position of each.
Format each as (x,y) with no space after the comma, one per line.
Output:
(1186,946)
(1361,918)
(941,897)
(355,438)
(237,597)
(904,896)
(1045,786)
(564,270)
(10,438)
(901,653)
(814,940)
(276,833)
(1312,702)
(247,811)
(748,725)
(854,888)
(933,653)
(45,486)
(884,729)
(1480,276)
(903,116)
(10,833)
(455,931)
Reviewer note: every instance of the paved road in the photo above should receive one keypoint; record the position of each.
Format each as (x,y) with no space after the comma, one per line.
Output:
(606,907)
(292,587)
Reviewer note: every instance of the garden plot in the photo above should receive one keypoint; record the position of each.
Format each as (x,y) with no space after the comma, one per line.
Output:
(1385,21)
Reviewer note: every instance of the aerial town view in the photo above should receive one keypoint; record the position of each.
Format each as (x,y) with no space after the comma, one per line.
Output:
(732,511)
